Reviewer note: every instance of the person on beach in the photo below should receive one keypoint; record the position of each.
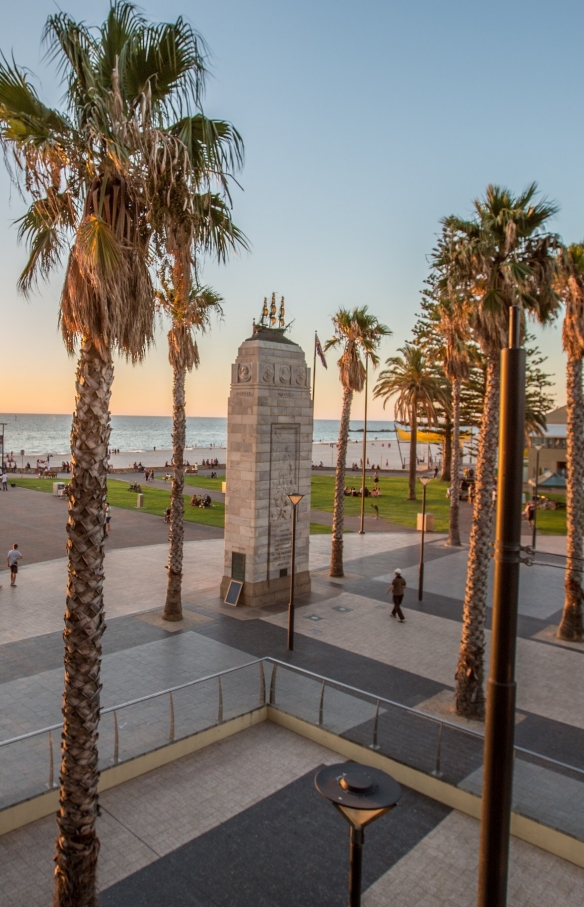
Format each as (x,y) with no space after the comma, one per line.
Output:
(397,588)
(13,558)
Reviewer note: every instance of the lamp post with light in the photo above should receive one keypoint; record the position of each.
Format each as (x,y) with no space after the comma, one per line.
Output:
(294,500)
(425,480)
(537,447)
(361,794)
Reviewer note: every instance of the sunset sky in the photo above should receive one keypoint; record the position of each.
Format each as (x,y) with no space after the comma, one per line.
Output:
(364,124)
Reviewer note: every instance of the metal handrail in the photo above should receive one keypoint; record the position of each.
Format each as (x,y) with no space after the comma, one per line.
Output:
(398,705)
(124,705)
(441,722)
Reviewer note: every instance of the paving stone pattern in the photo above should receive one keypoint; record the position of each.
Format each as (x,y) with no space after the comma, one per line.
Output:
(353,641)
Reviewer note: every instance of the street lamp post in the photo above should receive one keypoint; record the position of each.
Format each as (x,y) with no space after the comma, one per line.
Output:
(294,500)
(361,794)
(500,722)
(425,480)
(538,447)
(362,526)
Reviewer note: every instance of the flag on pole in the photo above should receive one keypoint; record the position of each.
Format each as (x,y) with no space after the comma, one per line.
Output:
(319,350)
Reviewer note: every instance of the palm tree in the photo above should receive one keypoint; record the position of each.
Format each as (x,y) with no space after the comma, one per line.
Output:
(359,334)
(418,391)
(571,289)
(187,225)
(453,327)
(91,171)
(503,257)
(183,355)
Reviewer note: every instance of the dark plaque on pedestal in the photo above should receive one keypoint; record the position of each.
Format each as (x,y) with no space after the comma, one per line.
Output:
(233,592)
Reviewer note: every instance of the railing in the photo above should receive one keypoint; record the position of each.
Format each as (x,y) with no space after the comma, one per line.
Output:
(548,790)
(136,727)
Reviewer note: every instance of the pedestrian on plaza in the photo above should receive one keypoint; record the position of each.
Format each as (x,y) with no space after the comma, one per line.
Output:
(13,558)
(4,481)
(397,588)
(108,516)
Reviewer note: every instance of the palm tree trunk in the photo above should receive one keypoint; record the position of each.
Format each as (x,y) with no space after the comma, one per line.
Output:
(77,843)
(453,528)
(571,623)
(413,453)
(446,474)
(339,504)
(469,693)
(173,606)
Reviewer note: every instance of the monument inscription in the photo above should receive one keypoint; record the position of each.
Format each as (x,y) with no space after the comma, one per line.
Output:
(284,453)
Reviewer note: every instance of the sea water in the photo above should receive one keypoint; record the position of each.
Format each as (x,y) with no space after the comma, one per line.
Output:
(42,434)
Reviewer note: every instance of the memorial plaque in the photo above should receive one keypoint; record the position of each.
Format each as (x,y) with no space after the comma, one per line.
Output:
(238,565)
(233,592)
(284,446)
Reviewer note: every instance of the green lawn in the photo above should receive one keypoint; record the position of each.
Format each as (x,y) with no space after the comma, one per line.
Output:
(34,482)
(156,500)
(204,482)
(393,503)
(552,522)
(394,506)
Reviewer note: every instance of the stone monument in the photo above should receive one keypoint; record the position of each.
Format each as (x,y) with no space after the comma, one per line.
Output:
(269,455)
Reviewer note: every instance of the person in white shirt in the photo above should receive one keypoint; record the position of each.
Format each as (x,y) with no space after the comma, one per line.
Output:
(4,481)
(13,558)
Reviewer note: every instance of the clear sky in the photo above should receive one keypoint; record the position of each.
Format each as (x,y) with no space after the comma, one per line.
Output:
(364,124)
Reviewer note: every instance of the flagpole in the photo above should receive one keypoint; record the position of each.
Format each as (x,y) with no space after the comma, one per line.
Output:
(314,372)
(362,524)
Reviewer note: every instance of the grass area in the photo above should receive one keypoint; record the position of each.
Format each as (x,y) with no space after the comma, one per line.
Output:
(393,503)
(36,483)
(156,500)
(325,529)
(320,529)
(203,482)
(552,522)
(394,506)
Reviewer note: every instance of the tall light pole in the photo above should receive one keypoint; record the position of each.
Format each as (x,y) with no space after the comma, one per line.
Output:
(362,527)
(537,447)
(425,480)
(294,500)
(500,723)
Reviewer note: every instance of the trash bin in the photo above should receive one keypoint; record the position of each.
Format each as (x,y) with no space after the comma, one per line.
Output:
(429,521)
(58,488)
(140,500)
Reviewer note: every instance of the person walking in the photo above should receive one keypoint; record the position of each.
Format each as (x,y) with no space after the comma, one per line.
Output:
(13,558)
(4,481)
(397,587)
(108,517)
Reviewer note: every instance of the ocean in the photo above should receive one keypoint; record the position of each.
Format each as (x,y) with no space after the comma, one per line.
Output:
(42,434)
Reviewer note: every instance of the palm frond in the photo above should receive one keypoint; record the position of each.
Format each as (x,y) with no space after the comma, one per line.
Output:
(167,62)
(44,230)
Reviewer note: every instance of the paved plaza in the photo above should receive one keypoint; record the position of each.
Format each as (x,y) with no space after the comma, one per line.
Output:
(234,823)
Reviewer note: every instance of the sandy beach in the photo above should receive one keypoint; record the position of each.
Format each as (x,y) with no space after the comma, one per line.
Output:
(382,454)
